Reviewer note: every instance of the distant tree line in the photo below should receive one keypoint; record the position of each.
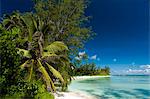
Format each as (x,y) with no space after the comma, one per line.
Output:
(90,69)
(82,67)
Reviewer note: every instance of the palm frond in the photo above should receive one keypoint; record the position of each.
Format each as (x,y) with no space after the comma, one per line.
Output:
(6,21)
(46,77)
(25,52)
(31,71)
(27,19)
(56,46)
(41,24)
(24,64)
(34,23)
(64,58)
(50,57)
(55,73)
(48,54)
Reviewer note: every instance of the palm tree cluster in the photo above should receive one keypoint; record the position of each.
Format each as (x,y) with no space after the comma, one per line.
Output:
(48,38)
(41,57)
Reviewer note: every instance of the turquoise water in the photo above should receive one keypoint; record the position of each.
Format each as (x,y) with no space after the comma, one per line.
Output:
(115,87)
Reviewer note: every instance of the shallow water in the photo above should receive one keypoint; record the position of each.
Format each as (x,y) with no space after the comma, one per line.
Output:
(115,87)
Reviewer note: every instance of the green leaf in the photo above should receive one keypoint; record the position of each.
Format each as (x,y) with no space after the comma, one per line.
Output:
(56,46)
(48,54)
(31,70)
(46,77)
(55,73)
(25,52)
(6,21)
(30,25)
(24,64)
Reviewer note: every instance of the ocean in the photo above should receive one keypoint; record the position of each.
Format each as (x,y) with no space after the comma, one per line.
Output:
(115,87)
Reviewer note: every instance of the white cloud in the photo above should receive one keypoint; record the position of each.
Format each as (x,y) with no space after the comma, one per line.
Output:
(135,71)
(114,59)
(81,53)
(77,58)
(98,59)
(145,66)
(147,71)
(93,57)
(128,69)
(144,69)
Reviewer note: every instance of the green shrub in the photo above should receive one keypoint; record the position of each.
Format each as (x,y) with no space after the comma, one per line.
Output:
(12,85)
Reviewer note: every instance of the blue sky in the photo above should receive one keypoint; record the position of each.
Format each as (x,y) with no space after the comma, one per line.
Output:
(122,31)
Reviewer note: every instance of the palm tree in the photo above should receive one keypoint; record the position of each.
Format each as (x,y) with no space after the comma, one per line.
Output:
(41,65)
(40,52)
(12,20)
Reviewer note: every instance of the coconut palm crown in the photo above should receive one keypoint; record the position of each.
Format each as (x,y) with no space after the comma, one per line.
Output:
(39,51)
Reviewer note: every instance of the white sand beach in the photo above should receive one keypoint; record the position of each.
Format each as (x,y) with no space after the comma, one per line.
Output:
(72,95)
(87,77)
(77,94)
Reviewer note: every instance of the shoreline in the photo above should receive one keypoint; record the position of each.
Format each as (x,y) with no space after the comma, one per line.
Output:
(88,77)
(77,94)
(73,95)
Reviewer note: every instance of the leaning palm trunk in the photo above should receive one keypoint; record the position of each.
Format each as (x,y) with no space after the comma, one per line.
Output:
(36,60)
(37,44)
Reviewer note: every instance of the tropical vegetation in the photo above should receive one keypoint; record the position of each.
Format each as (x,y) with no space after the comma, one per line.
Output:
(37,48)
(91,69)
